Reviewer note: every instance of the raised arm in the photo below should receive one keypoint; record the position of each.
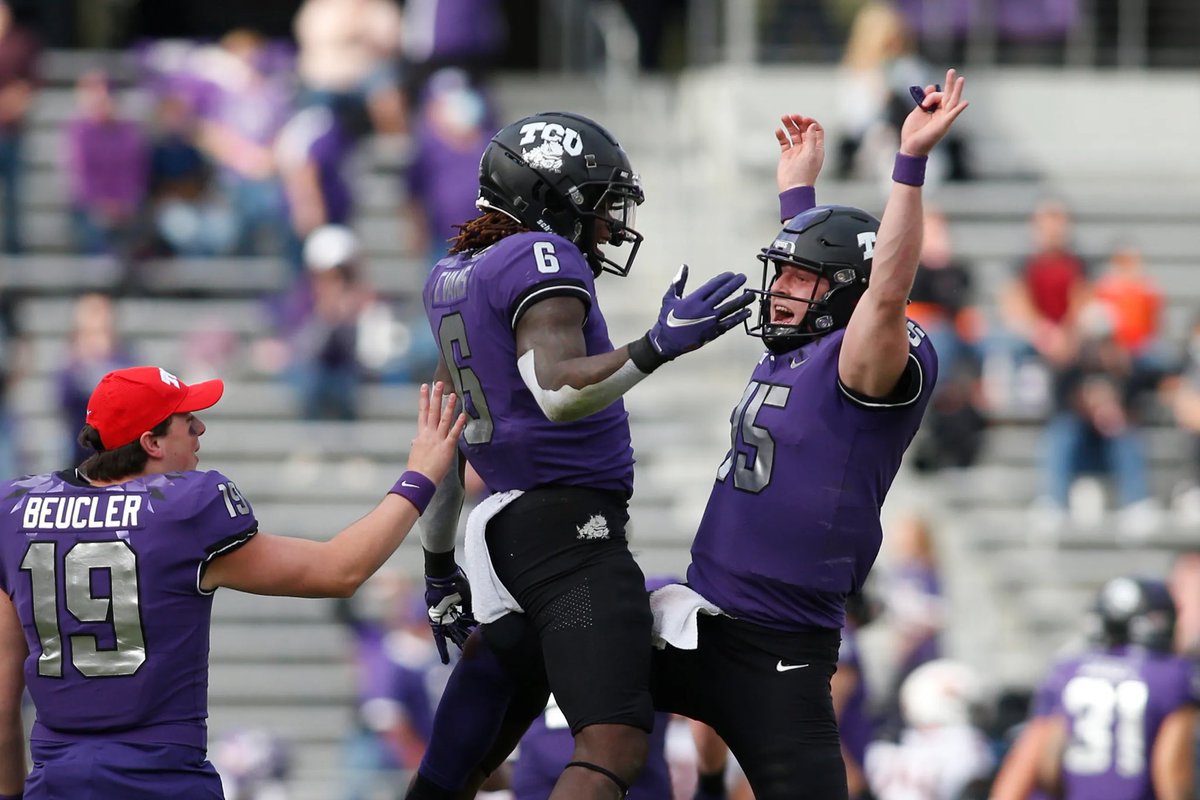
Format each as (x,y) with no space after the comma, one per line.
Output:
(801,156)
(569,384)
(875,348)
(284,565)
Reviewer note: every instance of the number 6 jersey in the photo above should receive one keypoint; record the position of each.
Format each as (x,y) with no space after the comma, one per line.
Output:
(105,581)
(474,302)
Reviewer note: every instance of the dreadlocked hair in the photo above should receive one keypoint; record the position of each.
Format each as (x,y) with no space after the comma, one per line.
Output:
(486,229)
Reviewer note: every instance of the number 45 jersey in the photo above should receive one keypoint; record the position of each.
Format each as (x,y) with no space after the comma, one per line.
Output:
(792,523)
(474,302)
(1114,703)
(105,581)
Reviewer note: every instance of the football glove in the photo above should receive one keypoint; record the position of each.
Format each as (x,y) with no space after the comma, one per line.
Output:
(449,602)
(686,323)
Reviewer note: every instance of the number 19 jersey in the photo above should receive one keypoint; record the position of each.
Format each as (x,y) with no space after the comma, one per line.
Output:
(106,582)
(474,302)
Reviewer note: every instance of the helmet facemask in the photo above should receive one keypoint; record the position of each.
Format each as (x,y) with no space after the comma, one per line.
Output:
(609,221)
(824,314)
(834,243)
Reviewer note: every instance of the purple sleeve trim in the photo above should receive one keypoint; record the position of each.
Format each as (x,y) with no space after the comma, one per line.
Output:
(795,201)
(415,488)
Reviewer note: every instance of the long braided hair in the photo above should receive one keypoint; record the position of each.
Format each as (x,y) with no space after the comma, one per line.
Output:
(486,229)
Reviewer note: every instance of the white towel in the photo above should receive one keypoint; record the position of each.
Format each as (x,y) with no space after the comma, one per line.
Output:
(489,599)
(675,607)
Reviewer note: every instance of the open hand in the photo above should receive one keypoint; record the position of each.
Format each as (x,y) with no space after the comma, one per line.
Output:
(802,151)
(438,430)
(928,123)
(688,321)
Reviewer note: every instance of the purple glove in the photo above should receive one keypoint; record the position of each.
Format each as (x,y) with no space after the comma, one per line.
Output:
(449,602)
(686,323)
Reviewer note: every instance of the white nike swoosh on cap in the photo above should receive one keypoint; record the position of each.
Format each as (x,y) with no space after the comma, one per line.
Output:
(675,322)
(781,667)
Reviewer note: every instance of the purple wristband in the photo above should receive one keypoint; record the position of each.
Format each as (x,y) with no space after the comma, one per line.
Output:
(909,169)
(795,201)
(415,488)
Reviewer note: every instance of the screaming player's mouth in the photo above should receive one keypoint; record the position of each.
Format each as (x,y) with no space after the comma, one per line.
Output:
(782,315)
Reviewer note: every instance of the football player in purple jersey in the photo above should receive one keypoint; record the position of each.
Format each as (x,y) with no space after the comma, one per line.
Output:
(1117,721)
(107,573)
(792,525)
(514,310)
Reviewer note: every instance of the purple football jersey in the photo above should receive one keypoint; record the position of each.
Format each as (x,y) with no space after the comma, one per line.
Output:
(106,583)
(548,745)
(1114,701)
(792,524)
(474,302)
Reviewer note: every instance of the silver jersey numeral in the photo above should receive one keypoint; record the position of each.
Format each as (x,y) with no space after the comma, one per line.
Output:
(751,446)
(120,609)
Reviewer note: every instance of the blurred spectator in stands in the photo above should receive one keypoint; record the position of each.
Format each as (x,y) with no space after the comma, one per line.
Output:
(849,687)
(1184,399)
(314,149)
(879,65)
(349,55)
(1038,307)
(254,765)
(443,176)
(942,305)
(19,51)
(911,591)
(1135,306)
(467,34)
(14,363)
(189,220)
(941,753)
(1094,427)
(108,161)
(399,678)
(243,110)
(324,341)
(94,349)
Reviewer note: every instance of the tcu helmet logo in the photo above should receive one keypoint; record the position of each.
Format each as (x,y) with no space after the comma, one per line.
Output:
(866,240)
(555,140)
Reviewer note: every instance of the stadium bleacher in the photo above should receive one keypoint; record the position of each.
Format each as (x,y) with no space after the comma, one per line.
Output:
(705,150)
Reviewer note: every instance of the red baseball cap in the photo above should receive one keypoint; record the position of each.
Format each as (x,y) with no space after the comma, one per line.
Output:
(128,402)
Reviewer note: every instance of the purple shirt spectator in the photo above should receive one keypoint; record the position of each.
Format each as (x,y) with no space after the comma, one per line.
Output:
(107,161)
(443,176)
(314,137)
(453,31)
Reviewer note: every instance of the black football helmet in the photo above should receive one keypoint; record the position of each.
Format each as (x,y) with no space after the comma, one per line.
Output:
(833,242)
(1134,611)
(561,173)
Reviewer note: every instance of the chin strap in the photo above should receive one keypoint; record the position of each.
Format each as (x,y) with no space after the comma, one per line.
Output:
(621,785)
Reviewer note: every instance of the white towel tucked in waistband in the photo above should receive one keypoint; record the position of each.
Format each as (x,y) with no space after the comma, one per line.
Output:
(489,599)
(675,607)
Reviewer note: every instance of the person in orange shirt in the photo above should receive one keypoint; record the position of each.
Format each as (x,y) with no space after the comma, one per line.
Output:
(1132,299)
